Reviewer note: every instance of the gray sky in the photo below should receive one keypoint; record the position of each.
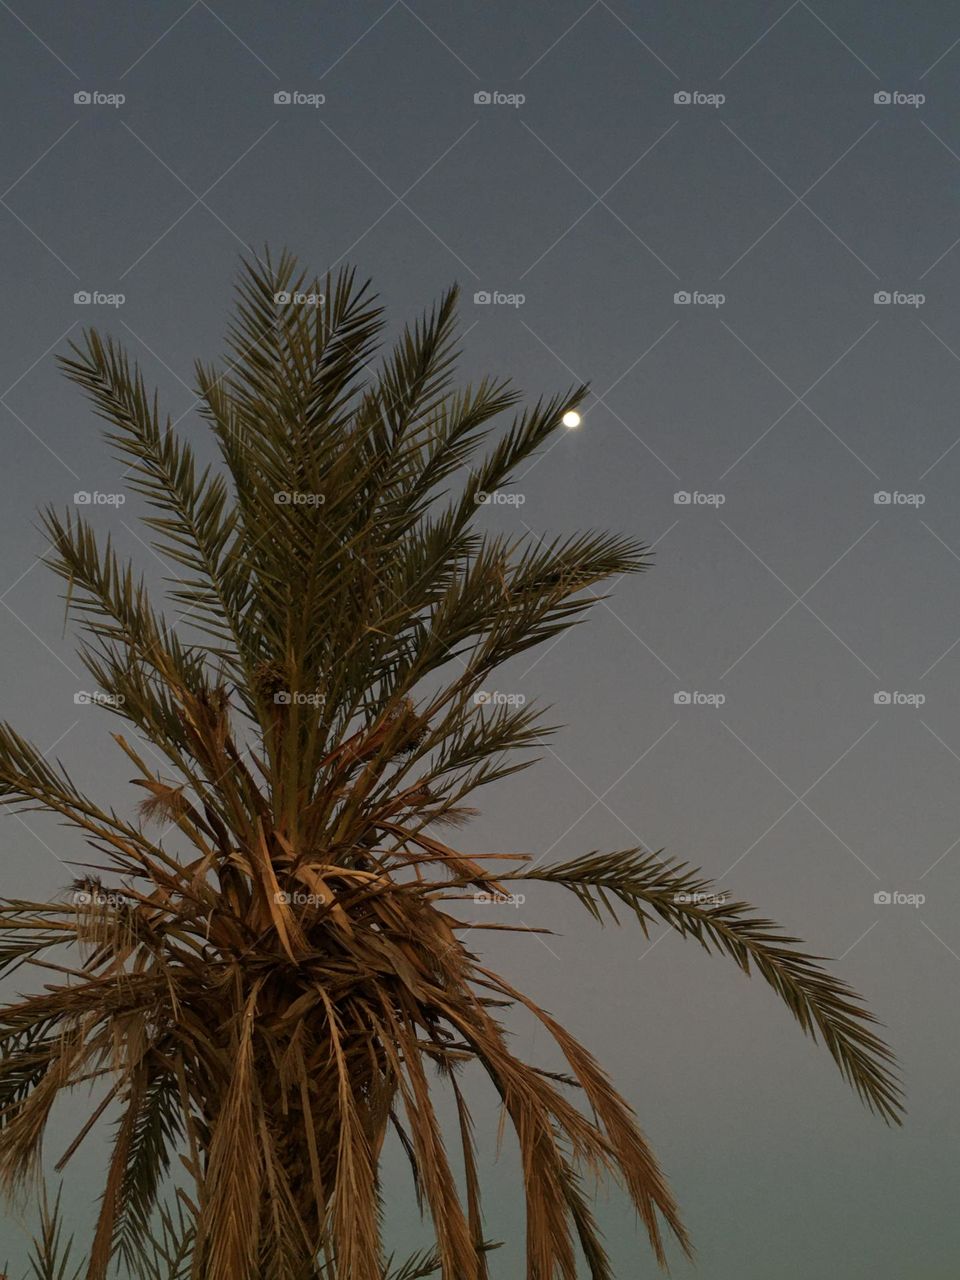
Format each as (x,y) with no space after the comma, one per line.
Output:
(796,399)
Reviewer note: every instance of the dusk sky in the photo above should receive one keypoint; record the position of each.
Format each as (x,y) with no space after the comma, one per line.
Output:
(740,224)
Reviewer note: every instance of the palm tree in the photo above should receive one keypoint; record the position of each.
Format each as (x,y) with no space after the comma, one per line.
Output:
(260,971)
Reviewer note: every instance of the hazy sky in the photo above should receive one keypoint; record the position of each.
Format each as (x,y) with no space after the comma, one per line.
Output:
(782,399)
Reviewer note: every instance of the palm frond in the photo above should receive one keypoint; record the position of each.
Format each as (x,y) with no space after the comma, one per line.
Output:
(50,1253)
(419,1266)
(652,887)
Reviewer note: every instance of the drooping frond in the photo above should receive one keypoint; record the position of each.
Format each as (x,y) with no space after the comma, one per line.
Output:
(652,887)
(156,1134)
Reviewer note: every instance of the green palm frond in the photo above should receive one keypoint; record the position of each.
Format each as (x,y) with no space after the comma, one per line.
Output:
(164,1251)
(50,1254)
(157,1132)
(196,529)
(652,887)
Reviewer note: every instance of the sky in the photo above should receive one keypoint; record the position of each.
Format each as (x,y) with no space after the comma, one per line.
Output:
(740,224)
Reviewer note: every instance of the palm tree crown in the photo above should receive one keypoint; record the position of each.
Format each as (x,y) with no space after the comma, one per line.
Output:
(263,974)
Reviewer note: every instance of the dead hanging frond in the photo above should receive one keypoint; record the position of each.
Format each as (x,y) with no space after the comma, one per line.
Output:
(230,1227)
(259,972)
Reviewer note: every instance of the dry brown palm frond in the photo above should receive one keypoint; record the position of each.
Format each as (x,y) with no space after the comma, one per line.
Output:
(164,803)
(453,816)
(229,1239)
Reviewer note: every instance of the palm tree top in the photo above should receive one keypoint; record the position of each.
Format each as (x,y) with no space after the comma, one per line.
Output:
(265,973)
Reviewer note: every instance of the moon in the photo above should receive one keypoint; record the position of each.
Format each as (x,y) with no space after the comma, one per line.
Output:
(571,419)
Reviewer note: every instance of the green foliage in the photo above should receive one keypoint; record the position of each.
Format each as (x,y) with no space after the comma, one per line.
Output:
(50,1254)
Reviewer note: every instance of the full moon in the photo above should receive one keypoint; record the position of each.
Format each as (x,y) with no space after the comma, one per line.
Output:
(571,418)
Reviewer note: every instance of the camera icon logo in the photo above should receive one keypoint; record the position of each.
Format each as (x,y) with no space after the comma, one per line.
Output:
(282,297)
(681,498)
(881,498)
(481,698)
(882,699)
(682,298)
(882,898)
(283,698)
(482,98)
(682,698)
(282,897)
(81,698)
(482,298)
(82,298)
(682,98)
(882,98)
(82,898)
(82,98)
(81,498)
(882,298)
(282,98)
